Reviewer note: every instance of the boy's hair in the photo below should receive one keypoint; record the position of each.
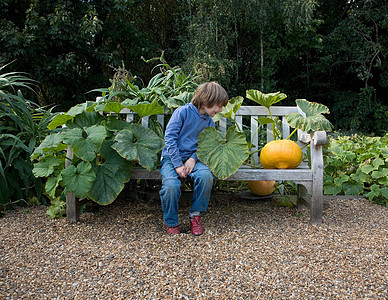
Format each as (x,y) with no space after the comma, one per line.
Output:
(209,94)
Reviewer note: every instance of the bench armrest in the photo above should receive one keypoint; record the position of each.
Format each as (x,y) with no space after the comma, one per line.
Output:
(319,138)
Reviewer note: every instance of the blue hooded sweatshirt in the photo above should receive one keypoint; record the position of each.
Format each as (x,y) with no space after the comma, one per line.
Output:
(181,134)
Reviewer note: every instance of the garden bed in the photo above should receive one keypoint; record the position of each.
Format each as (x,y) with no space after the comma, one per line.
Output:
(249,249)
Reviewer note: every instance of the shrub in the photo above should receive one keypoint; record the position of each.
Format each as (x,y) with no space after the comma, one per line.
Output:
(23,124)
(357,165)
(105,147)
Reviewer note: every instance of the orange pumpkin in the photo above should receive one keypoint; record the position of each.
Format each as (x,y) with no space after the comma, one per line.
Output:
(261,187)
(281,154)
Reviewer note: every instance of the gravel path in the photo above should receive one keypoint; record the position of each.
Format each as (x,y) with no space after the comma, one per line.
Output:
(250,250)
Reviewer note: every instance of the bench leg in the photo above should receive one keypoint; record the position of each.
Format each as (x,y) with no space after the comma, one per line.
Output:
(302,195)
(316,206)
(317,184)
(72,208)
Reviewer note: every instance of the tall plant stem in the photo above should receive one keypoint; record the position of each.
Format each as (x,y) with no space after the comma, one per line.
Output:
(291,133)
(236,124)
(275,135)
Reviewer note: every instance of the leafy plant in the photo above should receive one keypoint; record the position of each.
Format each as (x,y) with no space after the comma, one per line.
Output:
(357,165)
(23,124)
(234,142)
(171,87)
(57,208)
(105,148)
(267,100)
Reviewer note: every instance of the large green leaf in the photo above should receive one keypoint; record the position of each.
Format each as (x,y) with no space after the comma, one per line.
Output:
(360,176)
(265,120)
(144,110)
(52,142)
(222,154)
(85,119)
(59,120)
(137,143)
(382,173)
(78,179)
(45,167)
(384,192)
(265,99)
(85,144)
(51,185)
(112,172)
(111,106)
(331,189)
(353,188)
(314,119)
(368,168)
(114,124)
(179,100)
(80,108)
(230,110)
(374,192)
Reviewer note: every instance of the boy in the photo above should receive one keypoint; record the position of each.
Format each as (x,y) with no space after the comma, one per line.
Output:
(179,156)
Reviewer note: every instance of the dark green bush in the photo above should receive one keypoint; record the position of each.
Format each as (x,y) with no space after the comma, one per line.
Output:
(23,124)
(357,165)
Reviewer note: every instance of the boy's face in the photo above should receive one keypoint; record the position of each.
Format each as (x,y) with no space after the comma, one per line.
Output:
(211,111)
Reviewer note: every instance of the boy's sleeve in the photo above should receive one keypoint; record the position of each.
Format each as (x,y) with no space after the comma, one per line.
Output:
(171,138)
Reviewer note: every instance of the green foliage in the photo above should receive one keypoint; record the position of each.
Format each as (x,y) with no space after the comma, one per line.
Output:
(352,67)
(57,208)
(357,165)
(134,143)
(96,171)
(313,119)
(105,148)
(225,153)
(331,51)
(222,153)
(229,111)
(267,100)
(23,124)
(81,40)
(170,88)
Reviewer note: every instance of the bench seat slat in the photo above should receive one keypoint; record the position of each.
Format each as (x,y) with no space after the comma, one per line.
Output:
(241,174)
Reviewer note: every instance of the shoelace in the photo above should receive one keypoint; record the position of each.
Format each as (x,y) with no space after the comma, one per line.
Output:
(196,222)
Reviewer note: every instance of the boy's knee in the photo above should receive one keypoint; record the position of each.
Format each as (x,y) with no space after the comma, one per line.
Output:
(205,177)
(171,183)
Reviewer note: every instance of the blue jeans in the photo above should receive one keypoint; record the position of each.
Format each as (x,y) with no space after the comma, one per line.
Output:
(171,190)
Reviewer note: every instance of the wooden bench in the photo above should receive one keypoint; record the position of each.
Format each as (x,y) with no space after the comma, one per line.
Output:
(309,180)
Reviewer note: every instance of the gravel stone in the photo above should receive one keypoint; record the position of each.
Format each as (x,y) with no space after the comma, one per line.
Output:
(250,250)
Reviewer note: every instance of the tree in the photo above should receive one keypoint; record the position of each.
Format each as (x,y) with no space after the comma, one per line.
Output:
(352,65)
(73,46)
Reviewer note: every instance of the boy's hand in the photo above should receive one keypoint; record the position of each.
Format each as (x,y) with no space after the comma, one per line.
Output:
(190,164)
(185,170)
(182,171)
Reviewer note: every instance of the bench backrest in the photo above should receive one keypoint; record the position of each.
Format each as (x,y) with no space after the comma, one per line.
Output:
(246,117)
(252,113)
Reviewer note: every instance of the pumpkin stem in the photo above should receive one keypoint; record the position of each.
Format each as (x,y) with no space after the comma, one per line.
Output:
(291,134)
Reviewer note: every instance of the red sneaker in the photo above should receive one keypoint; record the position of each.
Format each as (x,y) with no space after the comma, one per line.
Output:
(173,230)
(195,225)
